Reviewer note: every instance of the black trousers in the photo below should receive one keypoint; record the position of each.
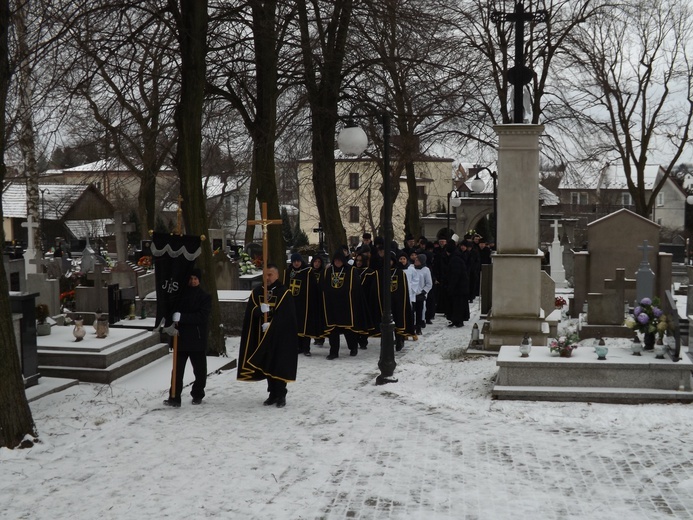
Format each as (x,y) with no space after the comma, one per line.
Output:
(431,301)
(276,387)
(419,320)
(303,344)
(350,336)
(198,360)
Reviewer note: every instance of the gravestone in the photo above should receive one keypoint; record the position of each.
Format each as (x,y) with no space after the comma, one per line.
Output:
(89,298)
(16,273)
(226,273)
(88,261)
(120,229)
(31,256)
(670,309)
(606,311)
(146,283)
(557,270)
(613,243)
(25,304)
(548,293)
(645,278)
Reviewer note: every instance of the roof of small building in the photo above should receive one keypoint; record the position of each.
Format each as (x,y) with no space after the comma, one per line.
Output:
(612,176)
(55,200)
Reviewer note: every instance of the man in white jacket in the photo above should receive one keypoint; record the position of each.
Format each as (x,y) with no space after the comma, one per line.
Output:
(424,287)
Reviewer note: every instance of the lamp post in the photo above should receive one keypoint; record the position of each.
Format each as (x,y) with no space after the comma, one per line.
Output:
(352,140)
(455,202)
(477,185)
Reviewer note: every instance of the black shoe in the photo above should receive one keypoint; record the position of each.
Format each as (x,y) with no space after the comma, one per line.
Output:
(418,332)
(399,344)
(272,399)
(353,351)
(281,402)
(330,356)
(363,347)
(451,324)
(172,402)
(460,324)
(197,401)
(429,322)
(307,353)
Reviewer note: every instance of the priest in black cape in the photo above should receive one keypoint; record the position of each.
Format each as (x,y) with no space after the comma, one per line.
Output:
(342,303)
(269,349)
(299,279)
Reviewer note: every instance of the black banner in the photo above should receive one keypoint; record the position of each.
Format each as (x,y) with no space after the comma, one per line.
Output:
(174,258)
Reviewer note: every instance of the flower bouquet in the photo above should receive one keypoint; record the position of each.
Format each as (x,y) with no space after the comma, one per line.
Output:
(246,264)
(560,302)
(648,318)
(564,345)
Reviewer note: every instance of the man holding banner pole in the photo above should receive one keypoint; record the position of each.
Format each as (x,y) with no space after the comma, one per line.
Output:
(174,259)
(191,321)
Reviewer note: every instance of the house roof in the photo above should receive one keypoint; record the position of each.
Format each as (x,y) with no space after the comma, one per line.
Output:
(612,176)
(55,200)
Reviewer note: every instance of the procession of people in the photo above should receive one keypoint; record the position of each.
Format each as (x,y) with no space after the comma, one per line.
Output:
(322,298)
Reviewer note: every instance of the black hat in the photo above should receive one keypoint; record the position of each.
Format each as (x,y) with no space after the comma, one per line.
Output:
(296,257)
(339,254)
(422,258)
(196,273)
(409,237)
(366,235)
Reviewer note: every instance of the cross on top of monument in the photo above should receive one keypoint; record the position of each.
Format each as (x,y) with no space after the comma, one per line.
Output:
(519,75)
(645,250)
(120,229)
(620,283)
(32,256)
(555,225)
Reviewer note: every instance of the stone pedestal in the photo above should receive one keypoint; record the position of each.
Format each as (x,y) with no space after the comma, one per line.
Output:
(48,289)
(516,282)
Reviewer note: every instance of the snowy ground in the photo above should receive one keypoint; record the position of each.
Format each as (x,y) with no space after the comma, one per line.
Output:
(432,446)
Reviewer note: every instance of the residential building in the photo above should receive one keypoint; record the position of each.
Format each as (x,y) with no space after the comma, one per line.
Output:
(360,200)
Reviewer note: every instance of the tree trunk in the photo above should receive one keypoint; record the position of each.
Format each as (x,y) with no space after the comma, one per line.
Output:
(192,34)
(412,219)
(265,126)
(26,133)
(15,415)
(323,79)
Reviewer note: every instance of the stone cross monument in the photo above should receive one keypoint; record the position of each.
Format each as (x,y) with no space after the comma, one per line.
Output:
(557,270)
(31,256)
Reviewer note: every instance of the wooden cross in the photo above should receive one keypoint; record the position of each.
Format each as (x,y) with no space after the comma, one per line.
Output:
(265,251)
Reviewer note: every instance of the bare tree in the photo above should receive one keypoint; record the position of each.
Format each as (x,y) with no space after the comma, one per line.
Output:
(408,66)
(249,44)
(124,82)
(324,30)
(16,422)
(491,40)
(633,89)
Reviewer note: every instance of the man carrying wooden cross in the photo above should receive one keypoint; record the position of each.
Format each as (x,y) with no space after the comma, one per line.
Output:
(269,339)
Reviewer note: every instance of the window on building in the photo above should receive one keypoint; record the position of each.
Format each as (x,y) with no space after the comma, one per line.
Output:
(578,198)
(660,199)
(626,199)
(354,214)
(354,180)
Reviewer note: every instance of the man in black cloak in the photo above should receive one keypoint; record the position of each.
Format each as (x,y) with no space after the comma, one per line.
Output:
(299,279)
(269,339)
(342,301)
(400,303)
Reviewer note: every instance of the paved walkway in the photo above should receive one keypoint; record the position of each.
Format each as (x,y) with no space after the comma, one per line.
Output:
(432,446)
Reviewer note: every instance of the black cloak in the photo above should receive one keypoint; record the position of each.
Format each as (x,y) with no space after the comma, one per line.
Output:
(273,353)
(303,286)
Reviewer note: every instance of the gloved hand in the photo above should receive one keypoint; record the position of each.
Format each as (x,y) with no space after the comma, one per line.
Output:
(176,317)
(265,326)
(264,307)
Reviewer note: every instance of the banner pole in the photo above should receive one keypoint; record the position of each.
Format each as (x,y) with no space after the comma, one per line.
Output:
(179,217)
